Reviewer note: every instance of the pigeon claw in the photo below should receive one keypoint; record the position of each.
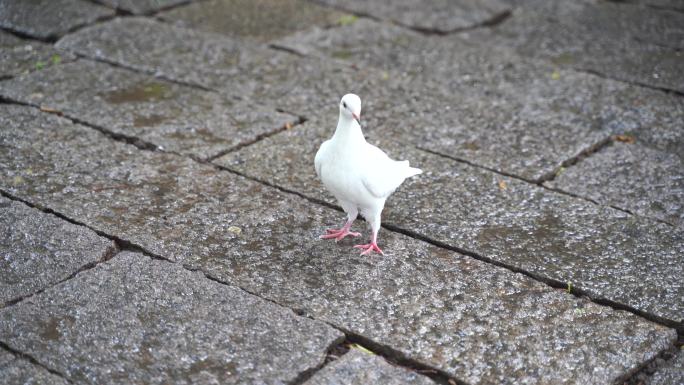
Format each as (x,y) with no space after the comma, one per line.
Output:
(369,248)
(339,235)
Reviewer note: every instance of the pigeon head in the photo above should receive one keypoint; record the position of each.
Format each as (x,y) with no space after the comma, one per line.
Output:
(350,107)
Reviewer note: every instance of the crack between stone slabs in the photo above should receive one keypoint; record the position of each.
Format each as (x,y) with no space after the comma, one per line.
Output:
(491,22)
(53,38)
(649,368)
(627,81)
(390,354)
(549,281)
(258,138)
(151,73)
(111,251)
(31,359)
(151,12)
(653,6)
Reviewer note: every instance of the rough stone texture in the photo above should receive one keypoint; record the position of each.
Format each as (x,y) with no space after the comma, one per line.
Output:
(431,15)
(476,110)
(299,85)
(671,374)
(17,371)
(644,181)
(138,320)
(478,322)
(634,44)
(38,250)
(48,19)
(19,56)
(609,254)
(170,116)
(139,7)
(360,368)
(255,20)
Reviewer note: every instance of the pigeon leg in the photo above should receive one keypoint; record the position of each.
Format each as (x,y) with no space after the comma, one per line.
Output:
(370,247)
(339,234)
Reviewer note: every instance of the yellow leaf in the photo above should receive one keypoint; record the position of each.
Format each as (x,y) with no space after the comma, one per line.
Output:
(235,230)
(503,185)
(555,75)
(625,138)
(361,348)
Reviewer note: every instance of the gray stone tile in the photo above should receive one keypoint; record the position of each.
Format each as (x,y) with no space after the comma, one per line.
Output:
(490,108)
(634,44)
(360,368)
(48,19)
(478,322)
(300,85)
(17,371)
(671,374)
(258,21)
(606,253)
(432,15)
(18,56)
(138,320)
(38,250)
(138,7)
(642,180)
(170,116)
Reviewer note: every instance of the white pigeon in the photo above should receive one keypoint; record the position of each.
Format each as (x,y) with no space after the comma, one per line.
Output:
(360,175)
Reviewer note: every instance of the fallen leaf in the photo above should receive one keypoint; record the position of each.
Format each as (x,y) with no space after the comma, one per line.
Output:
(288,126)
(625,138)
(40,65)
(56,59)
(235,230)
(347,19)
(555,75)
(361,348)
(503,185)
(50,110)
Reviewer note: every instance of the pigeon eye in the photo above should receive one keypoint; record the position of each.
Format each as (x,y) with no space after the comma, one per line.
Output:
(344,104)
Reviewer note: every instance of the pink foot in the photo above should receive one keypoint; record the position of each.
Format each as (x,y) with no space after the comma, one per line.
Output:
(339,234)
(369,248)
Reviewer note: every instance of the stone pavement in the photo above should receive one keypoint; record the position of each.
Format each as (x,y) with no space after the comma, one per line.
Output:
(160,211)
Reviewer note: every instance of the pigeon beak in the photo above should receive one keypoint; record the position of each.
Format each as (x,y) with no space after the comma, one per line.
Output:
(357,118)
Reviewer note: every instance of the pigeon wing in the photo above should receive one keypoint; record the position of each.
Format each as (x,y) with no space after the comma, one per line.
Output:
(383,175)
(320,156)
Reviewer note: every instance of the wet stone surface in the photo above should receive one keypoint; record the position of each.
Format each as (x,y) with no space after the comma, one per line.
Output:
(258,21)
(138,7)
(634,44)
(48,19)
(610,254)
(38,250)
(299,85)
(17,371)
(138,320)
(170,116)
(18,56)
(642,180)
(671,373)
(431,15)
(480,323)
(360,368)
(476,111)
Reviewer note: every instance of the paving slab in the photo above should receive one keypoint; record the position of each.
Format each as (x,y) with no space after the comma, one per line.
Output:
(642,180)
(257,21)
(360,368)
(641,45)
(670,374)
(466,101)
(607,253)
(38,250)
(138,320)
(140,7)
(17,371)
(478,322)
(440,16)
(49,19)
(167,115)
(296,84)
(18,56)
